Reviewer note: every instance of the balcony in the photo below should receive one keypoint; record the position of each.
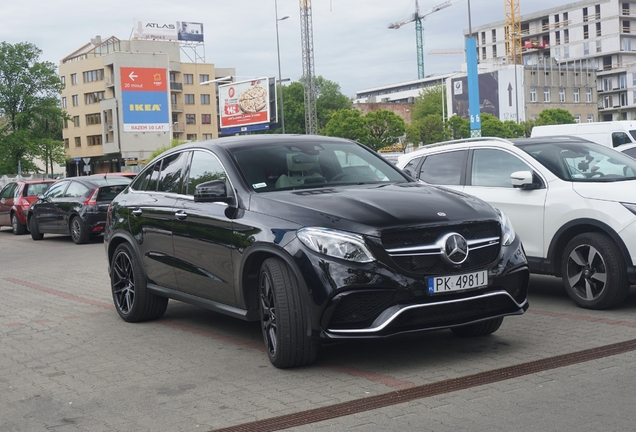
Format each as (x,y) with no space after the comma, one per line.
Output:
(109,80)
(177,107)
(176,86)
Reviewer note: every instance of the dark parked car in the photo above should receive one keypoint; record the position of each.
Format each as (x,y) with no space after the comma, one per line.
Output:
(16,198)
(75,206)
(320,239)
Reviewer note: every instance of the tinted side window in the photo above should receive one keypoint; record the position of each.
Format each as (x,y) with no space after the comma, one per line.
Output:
(8,191)
(493,168)
(620,138)
(443,168)
(409,168)
(171,177)
(631,152)
(204,168)
(56,190)
(75,189)
(150,182)
(141,179)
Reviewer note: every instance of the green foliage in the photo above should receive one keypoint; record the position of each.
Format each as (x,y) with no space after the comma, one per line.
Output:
(30,116)
(347,123)
(294,105)
(385,128)
(554,116)
(174,143)
(428,130)
(428,102)
(458,127)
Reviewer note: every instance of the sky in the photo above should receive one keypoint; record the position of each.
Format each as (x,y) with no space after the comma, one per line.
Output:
(352,43)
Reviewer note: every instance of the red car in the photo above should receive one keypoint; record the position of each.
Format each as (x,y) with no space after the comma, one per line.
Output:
(15,200)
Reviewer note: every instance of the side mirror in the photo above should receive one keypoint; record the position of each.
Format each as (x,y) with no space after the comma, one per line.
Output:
(522,180)
(41,197)
(212,191)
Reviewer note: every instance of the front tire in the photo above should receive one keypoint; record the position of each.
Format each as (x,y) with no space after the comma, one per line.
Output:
(34,229)
(78,234)
(18,228)
(593,271)
(128,283)
(284,317)
(483,328)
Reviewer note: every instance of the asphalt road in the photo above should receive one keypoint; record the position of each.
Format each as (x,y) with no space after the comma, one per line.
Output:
(69,363)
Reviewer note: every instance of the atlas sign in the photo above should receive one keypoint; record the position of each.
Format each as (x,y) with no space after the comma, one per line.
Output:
(145,99)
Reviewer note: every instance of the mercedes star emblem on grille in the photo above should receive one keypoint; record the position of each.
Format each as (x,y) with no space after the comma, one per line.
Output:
(455,248)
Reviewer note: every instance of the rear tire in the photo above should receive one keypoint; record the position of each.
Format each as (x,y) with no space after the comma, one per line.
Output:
(483,328)
(78,234)
(284,317)
(593,271)
(34,229)
(133,301)
(18,228)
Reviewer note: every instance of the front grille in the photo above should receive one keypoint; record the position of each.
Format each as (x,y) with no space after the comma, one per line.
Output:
(516,284)
(434,264)
(360,307)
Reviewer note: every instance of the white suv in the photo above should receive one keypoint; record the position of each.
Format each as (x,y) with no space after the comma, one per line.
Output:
(572,202)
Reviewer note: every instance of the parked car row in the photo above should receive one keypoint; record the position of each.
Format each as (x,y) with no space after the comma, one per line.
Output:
(15,199)
(571,201)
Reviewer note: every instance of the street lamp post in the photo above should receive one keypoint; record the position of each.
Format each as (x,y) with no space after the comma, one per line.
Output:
(280,78)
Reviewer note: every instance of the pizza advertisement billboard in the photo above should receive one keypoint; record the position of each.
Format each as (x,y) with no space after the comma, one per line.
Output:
(145,105)
(244,103)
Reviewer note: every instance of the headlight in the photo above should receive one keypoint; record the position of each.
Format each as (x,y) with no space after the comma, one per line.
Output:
(337,244)
(507,231)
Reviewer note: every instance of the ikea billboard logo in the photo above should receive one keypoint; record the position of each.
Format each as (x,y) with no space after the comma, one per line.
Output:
(145,107)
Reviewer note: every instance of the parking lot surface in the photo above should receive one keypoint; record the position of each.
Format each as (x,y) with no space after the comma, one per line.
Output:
(69,363)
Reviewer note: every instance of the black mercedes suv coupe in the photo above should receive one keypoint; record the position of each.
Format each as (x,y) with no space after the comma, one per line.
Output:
(319,239)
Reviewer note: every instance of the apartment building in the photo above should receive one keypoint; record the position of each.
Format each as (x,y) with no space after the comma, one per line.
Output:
(594,38)
(127,98)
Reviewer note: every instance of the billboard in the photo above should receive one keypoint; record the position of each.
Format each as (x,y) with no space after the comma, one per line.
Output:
(168,30)
(245,103)
(144,96)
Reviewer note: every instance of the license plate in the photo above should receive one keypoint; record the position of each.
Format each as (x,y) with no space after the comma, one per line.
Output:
(444,284)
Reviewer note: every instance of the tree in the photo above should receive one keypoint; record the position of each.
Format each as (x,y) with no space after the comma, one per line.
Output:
(459,127)
(554,116)
(29,92)
(514,130)
(429,130)
(428,102)
(347,123)
(491,126)
(385,128)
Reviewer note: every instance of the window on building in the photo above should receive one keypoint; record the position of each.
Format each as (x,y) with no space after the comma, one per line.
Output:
(626,27)
(94,97)
(533,94)
(206,136)
(597,12)
(623,99)
(586,48)
(78,141)
(93,75)
(93,119)
(588,95)
(188,79)
(494,51)
(204,78)
(566,36)
(76,121)
(606,102)
(561,94)
(65,123)
(627,44)
(64,99)
(577,118)
(65,142)
(494,36)
(205,99)
(598,46)
(75,100)
(546,94)
(598,29)
(576,95)
(607,84)
(191,137)
(189,99)
(565,18)
(93,140)
(483,53)
(63,79)
(622,81)
(74,79)
(556,20)
(483,38)
(191,119)
(585,17)
(206,119)
(566,52)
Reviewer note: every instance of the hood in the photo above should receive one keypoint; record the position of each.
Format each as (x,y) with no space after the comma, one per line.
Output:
(619,191)
(368,209)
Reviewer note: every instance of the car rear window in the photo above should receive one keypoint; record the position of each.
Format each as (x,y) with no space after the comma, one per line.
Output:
(35,189)
(108,193)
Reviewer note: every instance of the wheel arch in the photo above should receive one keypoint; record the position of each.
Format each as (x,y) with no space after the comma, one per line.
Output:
(579,226)
(114,241)
(251,265)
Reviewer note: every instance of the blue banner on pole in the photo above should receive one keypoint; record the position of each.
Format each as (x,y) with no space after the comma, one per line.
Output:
(473,86)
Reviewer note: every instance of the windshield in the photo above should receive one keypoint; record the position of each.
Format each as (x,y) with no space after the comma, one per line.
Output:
(308,165)
(583,162)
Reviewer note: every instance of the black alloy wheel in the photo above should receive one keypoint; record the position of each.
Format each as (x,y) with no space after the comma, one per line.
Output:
(132,299)
(284,317)
(593,271)
(78,234)
(18,228)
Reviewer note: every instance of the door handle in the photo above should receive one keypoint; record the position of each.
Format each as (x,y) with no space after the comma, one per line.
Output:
(181,214)
(137,212)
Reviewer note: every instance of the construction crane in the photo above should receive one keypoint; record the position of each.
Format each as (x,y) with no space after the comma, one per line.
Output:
(513,31)
(309,75)
(419,40)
